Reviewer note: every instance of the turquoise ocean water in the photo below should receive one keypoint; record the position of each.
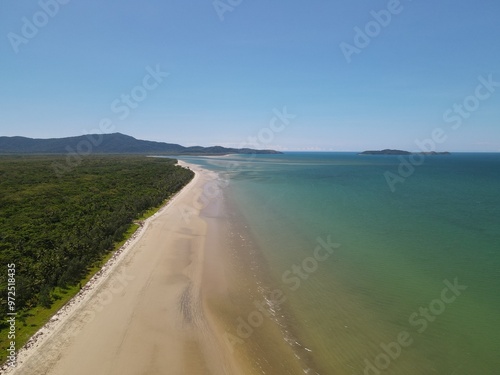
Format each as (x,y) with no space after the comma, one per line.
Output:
(413,286)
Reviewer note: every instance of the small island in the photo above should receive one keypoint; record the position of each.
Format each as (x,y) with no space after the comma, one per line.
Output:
(401,152)
(385,152)
(434,153)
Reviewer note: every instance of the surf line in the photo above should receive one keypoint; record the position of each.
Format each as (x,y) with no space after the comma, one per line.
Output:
(273,300)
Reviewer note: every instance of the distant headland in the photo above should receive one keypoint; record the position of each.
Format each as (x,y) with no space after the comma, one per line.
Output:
(401,152)
(115,143)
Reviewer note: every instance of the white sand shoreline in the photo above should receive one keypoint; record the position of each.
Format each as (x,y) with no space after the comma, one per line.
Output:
(95,284)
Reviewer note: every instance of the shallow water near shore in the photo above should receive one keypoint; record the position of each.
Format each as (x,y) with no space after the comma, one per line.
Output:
(381,301)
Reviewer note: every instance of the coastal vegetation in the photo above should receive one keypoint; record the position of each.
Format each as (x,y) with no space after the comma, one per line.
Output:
(58,228)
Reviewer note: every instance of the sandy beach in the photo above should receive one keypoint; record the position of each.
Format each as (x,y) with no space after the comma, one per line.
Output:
(144,312)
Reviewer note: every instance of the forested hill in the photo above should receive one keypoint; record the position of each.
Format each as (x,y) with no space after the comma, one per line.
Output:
(115,143)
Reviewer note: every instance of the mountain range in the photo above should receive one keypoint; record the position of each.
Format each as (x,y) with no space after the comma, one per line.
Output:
(115,143)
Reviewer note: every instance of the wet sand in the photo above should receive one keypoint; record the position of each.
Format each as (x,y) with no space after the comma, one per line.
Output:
(145,314)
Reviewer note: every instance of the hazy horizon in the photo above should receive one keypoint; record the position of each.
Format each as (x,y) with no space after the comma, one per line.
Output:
(416,150)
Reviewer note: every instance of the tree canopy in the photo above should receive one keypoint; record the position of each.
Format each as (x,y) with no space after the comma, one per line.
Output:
(55,226)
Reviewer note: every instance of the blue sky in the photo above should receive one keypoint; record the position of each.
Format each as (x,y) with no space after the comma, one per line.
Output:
(227,78)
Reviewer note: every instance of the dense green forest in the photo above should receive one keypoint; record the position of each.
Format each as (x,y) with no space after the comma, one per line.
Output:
(55,226)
